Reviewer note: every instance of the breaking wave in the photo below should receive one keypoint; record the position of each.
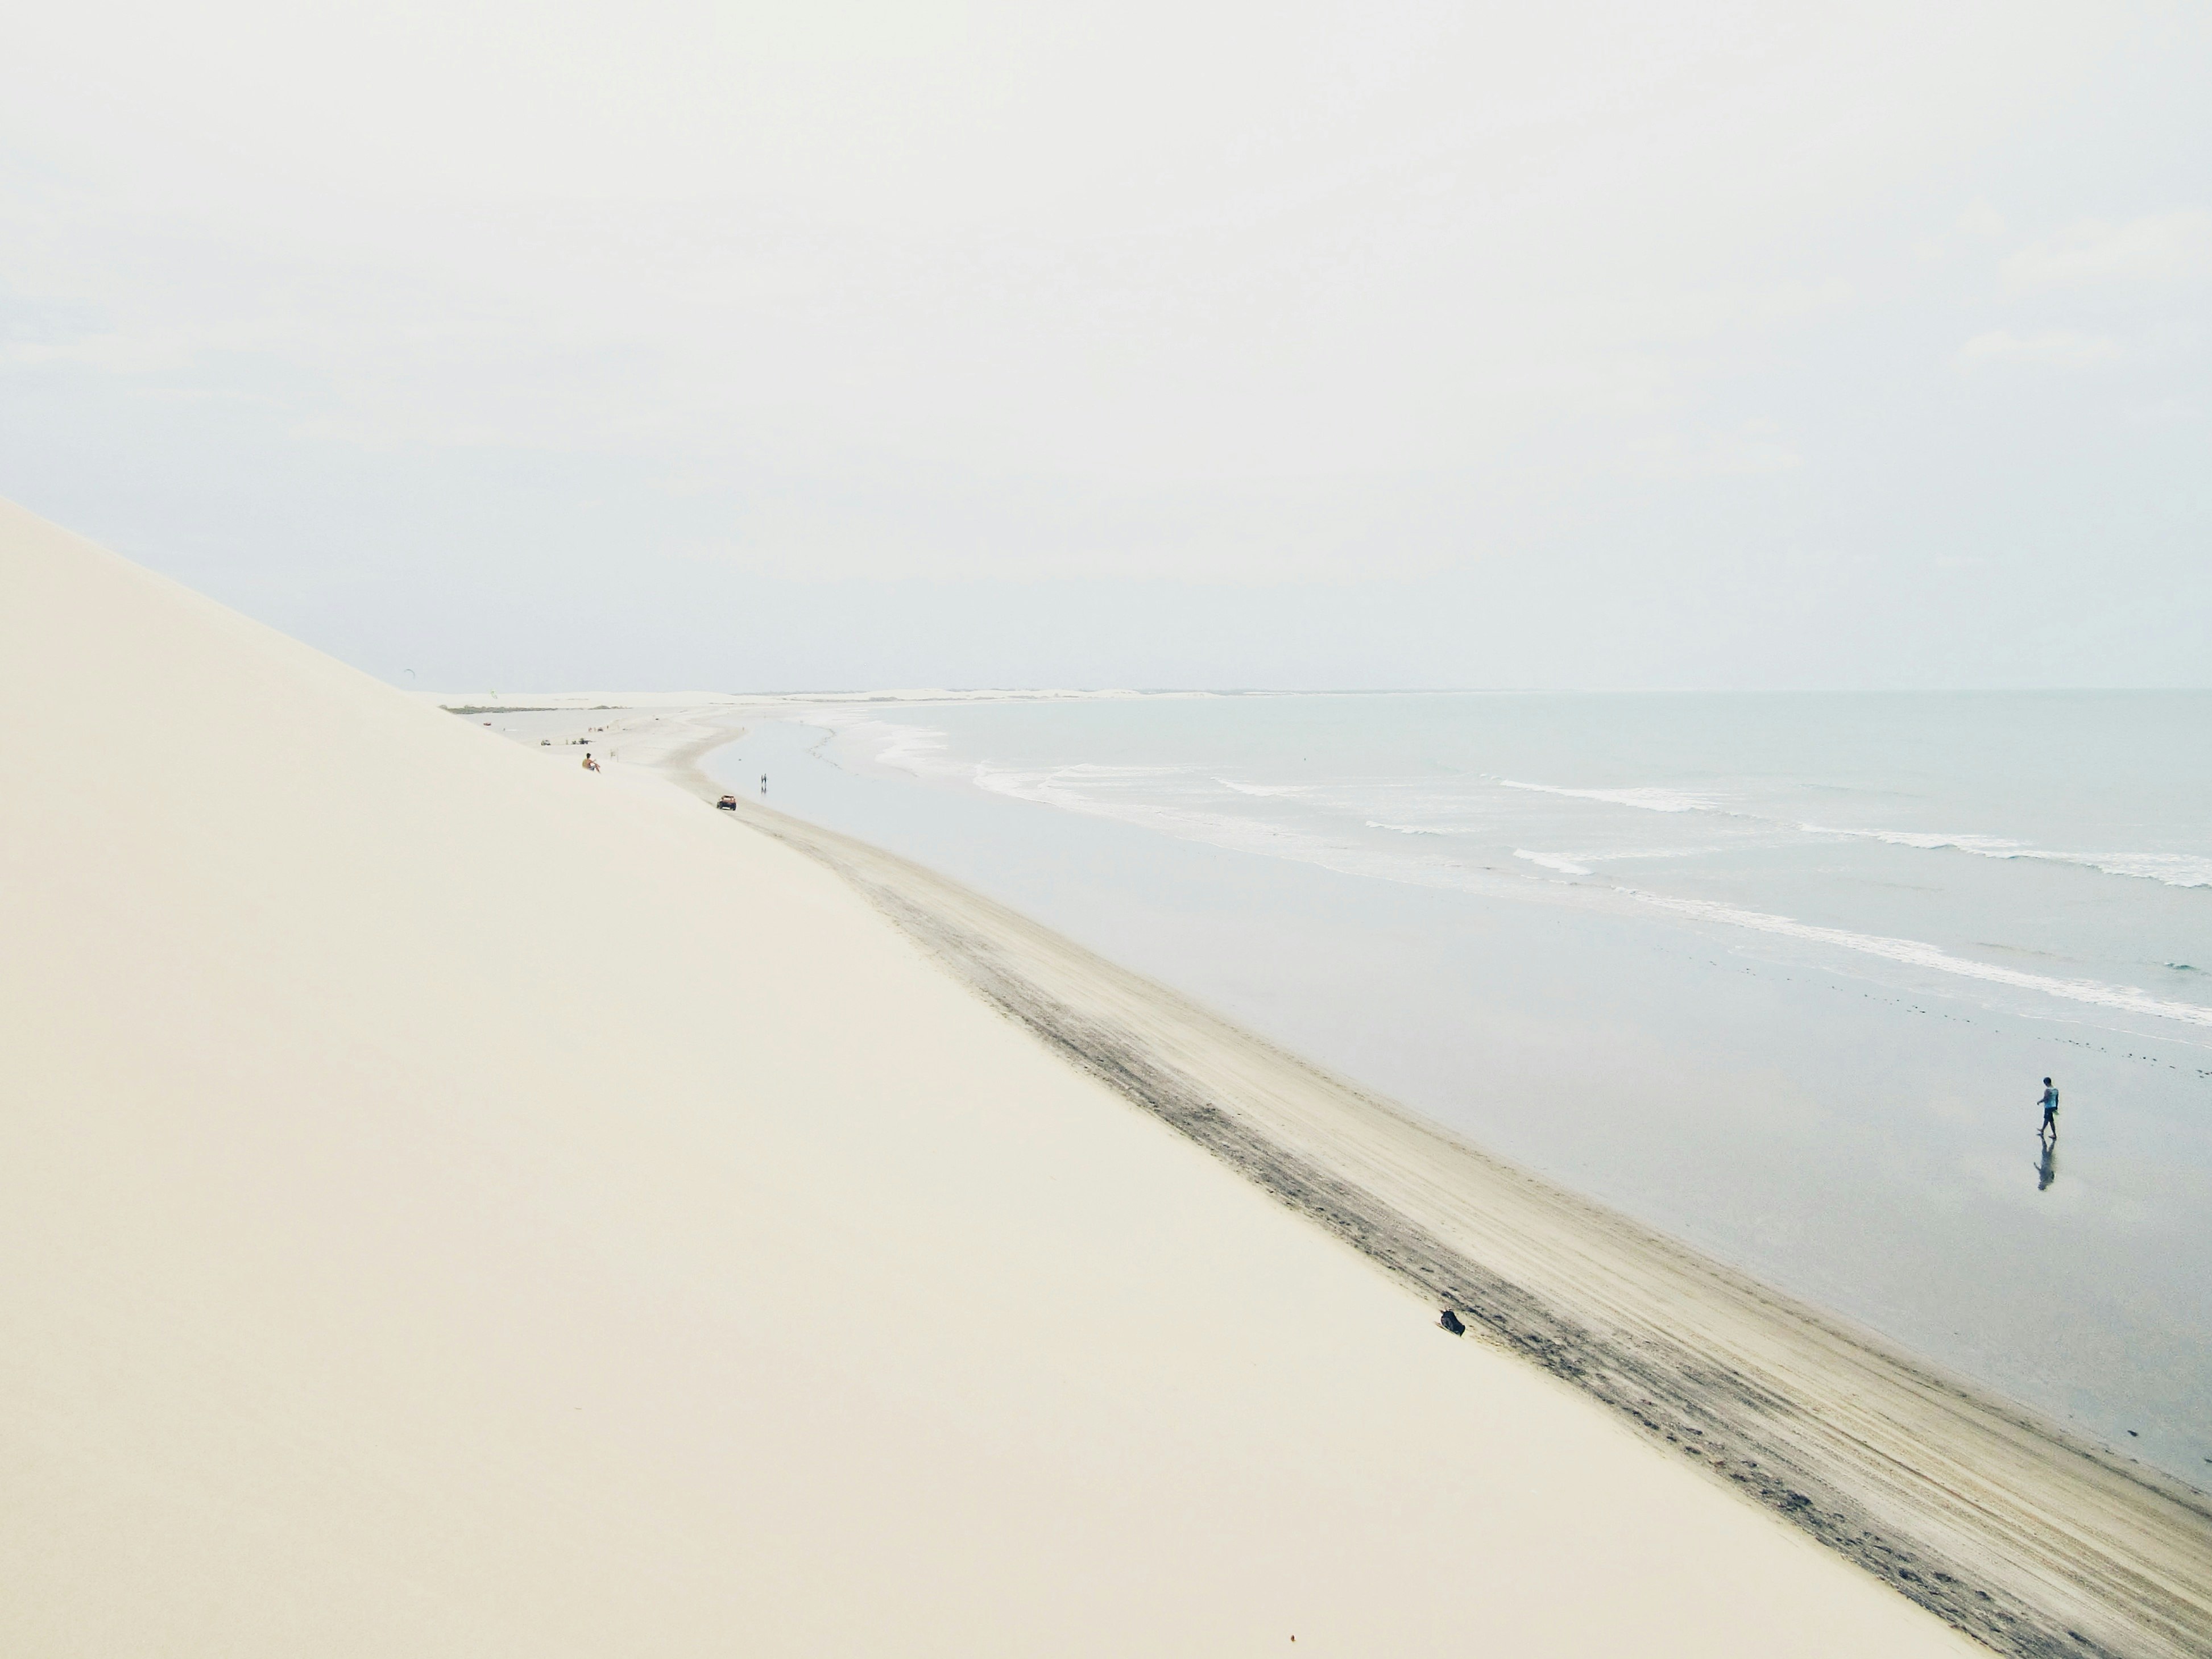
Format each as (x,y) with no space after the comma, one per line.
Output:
(1916,954)
(1651,800)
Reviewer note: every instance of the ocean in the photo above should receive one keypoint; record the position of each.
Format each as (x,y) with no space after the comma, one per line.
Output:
(1780,974)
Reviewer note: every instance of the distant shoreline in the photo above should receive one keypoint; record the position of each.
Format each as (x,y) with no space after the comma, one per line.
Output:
(2011,1529)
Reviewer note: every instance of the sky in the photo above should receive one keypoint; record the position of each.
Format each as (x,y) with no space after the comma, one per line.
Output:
(675,345)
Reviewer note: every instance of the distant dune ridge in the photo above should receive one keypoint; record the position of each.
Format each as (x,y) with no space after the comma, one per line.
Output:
(456,1203)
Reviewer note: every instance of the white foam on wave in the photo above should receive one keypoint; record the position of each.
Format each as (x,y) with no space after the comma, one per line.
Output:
(1119,791)
(918,751)
(1098,770)
(1564,866)
(1058,788)
(2172,869)
(1650,800)
(1079,790)
(1916,954)
(1244,833)
(2168,869)
(1929,841)
(1064,787)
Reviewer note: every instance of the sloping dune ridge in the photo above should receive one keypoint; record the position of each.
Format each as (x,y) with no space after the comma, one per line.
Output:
(453,1203)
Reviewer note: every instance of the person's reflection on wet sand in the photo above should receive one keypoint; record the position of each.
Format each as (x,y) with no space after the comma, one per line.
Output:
(2046,1171)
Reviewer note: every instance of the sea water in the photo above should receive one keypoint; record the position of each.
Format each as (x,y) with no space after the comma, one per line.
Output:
(1779,975)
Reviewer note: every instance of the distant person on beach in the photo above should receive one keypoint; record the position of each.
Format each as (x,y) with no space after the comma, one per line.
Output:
(764,783)
(2049,1110)
(590,765)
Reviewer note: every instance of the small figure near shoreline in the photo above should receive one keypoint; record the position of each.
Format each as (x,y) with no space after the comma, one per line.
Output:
(590,765)
(2050,1111)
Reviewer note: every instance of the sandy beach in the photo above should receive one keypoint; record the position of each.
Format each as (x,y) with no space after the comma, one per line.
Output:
(2031,1538)
(459,1202)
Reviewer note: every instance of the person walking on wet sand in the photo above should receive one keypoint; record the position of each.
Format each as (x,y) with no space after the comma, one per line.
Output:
(2050,1111)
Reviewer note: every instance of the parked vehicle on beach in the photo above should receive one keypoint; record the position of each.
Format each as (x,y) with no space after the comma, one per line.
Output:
(728,803)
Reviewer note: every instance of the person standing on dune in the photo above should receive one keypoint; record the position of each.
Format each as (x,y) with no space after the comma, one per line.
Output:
(2050,1111)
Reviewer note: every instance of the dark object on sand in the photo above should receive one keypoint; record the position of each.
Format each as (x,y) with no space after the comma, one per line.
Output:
(1450,1321)
(728,803)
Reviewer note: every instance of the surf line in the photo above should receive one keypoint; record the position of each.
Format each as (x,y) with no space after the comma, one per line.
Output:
(1915,954)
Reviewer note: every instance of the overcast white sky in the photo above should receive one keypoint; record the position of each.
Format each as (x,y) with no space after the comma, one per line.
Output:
(1297,344)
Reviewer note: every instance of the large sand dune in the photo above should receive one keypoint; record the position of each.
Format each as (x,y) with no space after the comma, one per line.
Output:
(453,1203)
